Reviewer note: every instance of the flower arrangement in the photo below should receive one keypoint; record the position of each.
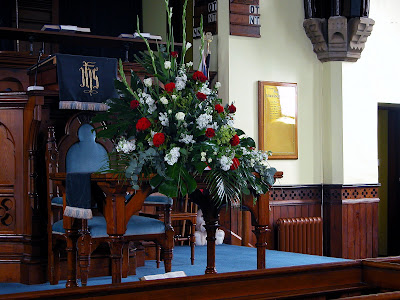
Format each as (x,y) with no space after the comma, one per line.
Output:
(172,126)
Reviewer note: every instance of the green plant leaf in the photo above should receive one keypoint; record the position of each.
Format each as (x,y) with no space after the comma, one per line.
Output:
(200,166)
(168,188)
(156,181)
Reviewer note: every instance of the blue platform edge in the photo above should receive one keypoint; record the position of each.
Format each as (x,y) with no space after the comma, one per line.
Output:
(228,258)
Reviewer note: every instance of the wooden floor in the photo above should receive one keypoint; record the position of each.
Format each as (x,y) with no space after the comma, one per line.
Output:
(363,279)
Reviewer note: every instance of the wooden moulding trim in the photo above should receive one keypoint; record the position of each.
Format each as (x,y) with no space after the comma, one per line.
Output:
(276,187)
(14,99)
(294,202)
(358,201)
(14,238)
(390,259)
(306,279)
(344,186)
(352,201)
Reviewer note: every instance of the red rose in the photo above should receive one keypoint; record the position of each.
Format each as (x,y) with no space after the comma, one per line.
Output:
(235,164)
(134,104)
(174,54)
(210,132)
(201,96)
(232,109)
(142,124)
(235,140)
(169,87)
(158,139)
(219,108)
(199,76)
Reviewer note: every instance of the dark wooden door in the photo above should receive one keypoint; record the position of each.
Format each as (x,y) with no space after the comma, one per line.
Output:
(393,181)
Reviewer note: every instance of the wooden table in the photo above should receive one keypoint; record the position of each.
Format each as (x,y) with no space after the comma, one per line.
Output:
(117,214)
(259,210)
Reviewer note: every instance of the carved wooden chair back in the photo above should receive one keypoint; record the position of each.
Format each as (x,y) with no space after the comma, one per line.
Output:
(79,151)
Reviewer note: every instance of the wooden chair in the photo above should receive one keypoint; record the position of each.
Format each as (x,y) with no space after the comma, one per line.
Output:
(78,151)
(184,213)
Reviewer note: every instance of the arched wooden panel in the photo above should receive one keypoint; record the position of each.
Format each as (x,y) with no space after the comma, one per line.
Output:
(10,84)
(7,179)
(7,157)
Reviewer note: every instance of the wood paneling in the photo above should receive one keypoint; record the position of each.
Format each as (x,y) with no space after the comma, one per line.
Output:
(292,202)
(351,221)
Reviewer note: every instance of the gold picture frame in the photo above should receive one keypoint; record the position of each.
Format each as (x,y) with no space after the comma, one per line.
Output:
(277,119)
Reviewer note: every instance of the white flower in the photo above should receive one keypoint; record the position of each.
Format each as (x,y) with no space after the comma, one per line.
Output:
(205,90)
(164,100)
(167,64)
(189,64)
(163,117)
(125,146)
(203,158)
(180,116)
(152,108)
(180,84)
(148,82)
(245,151)
(173,97)
(172,157)
(230,120)
(149,100)
(217,85)
(203,153)
(209,160)
(169,111)
(203,120)
(252,162)
(188,45)
(186,138)
(225,162)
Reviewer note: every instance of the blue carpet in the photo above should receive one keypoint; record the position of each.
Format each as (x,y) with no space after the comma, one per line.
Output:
(228,259)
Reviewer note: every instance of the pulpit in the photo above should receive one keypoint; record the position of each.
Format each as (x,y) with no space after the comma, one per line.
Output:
(24,119)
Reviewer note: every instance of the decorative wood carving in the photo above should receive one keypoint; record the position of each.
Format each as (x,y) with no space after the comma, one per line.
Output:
(338,39)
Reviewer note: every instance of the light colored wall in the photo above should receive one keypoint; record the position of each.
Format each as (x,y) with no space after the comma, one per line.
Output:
(283,53)
(332,123)
(154,17)
(372,80)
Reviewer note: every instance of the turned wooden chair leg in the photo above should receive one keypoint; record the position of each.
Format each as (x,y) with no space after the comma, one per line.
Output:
(132,260)
(158,255)
(125,260)
(84,254)
(192,241)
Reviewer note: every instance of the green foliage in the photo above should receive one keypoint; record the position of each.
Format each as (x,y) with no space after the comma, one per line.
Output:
(167,127)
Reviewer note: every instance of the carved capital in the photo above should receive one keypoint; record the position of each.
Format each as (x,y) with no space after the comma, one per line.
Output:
(314,30)
(338,39)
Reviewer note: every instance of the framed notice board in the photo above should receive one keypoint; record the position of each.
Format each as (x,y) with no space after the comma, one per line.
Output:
(244,18)
(277,119)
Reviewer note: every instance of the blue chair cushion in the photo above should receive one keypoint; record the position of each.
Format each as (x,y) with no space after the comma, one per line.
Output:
(158,199)
(57,201)
(137,225)
(154,199)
